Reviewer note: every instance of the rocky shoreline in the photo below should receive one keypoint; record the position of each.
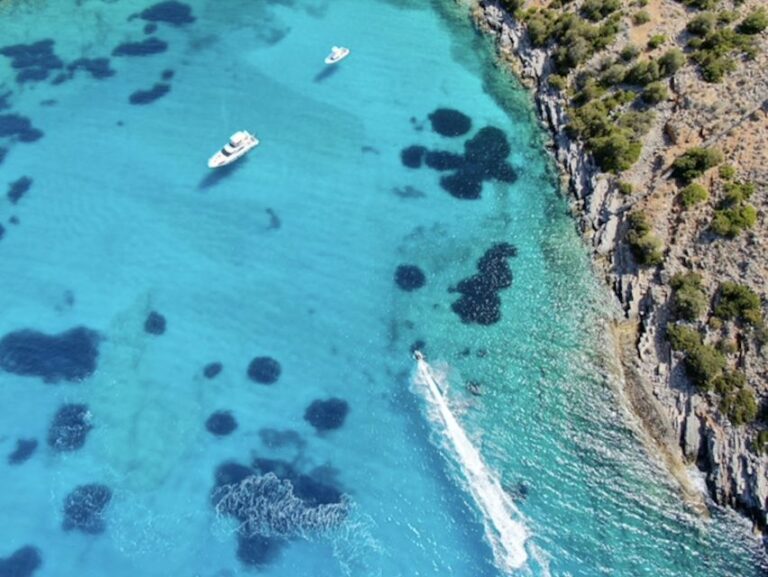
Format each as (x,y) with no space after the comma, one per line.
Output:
(674,414)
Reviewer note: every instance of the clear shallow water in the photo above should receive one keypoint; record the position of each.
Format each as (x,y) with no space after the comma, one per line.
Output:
(124,218)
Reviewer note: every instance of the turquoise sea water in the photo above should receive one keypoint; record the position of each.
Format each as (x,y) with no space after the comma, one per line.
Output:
(292,255)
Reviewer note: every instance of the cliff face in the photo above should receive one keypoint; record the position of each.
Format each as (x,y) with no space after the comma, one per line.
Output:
(683,421)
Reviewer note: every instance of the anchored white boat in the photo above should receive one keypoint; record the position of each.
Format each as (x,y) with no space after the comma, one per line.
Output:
(239,143)
(337,54)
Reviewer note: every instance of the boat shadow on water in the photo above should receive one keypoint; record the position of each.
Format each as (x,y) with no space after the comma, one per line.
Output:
(326,73)
(215,176)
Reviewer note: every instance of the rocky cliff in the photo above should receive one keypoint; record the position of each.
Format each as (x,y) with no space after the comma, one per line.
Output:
(684,420)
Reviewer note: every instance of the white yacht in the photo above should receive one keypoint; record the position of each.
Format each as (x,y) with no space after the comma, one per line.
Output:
(337,54)
(239,143)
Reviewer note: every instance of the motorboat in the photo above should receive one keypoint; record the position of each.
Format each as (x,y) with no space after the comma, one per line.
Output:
(337,54)
(239,143)
(418,355)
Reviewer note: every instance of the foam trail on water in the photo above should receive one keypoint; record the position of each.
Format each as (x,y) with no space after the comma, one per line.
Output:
(506,535)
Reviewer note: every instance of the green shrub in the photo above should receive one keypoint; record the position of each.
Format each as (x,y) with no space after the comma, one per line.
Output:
(596,10)
(590,91)
(557,82)
(694,162)
(715,68)
(736,192)
(738,302)
(613,75)
(729,382)
(740,406)
(615,152)
(702,24)
(671,61)
(714,52)
(646,247)
(624,188)
(629,53)
(704,364)
(727,172)
(641,17)
(701,4)
(689,301)
(761,442)
(638,123)
(683,338)
(730,222)
(728,347)
(655,41)
(654,93)
(726,17)
(643,73)
(755,22)
(693,194)
(576,39)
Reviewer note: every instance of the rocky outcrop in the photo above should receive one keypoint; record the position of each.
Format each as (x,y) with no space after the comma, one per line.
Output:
(679,419)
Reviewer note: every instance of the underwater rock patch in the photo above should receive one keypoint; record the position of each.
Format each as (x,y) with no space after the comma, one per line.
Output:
(69,428)
(15,125)
(155,323)
(146,47)
(167,74)
(327,415)
(231,473)
(150,28)
(18,188)
(450,122)
(148,96)
(170,12)
(32,75)
(463,184)
(409,277)
(3,152)
(257,550)
(412,156)
(221,423)
(264,370)
(488,147)
(266,504)
(98,68)
(22,563)
(479,302)
(25,448)
(441,160)
(69,356)
(272,510)
(211,370)
(484,159)
(34,61)
(84,508)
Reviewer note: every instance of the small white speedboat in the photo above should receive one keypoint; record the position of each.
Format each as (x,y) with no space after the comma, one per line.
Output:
(239,143)
(337,54)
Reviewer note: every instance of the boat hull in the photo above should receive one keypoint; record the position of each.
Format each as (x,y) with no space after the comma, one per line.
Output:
(220,159)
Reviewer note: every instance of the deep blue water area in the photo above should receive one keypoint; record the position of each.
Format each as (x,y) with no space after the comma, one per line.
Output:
(209,373)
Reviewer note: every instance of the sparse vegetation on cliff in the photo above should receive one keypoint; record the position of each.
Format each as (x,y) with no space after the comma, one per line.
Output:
(695,162)
(693,194)
(646,247)
(689,301)
(662,106)
(740,303)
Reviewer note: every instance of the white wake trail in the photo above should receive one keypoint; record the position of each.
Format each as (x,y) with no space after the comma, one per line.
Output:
(505,534)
